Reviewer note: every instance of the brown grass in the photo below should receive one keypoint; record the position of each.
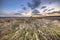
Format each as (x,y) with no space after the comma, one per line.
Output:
(29,29)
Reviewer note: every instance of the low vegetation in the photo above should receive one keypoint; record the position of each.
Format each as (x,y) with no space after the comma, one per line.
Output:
(32,29)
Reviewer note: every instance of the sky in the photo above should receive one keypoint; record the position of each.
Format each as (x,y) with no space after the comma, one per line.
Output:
(15,6)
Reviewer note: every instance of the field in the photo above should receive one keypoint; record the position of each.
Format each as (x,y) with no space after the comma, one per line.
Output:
(29,29)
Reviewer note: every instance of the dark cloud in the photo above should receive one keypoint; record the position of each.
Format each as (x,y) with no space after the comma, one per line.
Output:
(48,9)
(51,9)
(35,12)
(34,4)
(56,11)
(45,10)
(30,5)
(43,7)
(24,8)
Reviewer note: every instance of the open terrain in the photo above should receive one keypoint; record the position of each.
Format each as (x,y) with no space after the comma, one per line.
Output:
(30,28)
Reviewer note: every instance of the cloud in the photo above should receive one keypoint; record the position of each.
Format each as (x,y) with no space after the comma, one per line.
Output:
(56,11)
(51,9)
(48,9)
(34,4)
(45,10)
(17,14)
(43,7)
(26,14)
(30,5)
(24,8)
(35,12)
(4,12)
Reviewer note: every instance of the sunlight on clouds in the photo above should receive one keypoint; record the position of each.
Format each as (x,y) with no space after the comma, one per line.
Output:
(43,6)
(26,14)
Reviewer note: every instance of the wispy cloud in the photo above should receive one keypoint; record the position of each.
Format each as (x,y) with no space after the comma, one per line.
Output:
(4,12)
(56,12)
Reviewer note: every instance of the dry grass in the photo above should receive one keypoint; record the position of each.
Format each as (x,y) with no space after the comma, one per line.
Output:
(32,29)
